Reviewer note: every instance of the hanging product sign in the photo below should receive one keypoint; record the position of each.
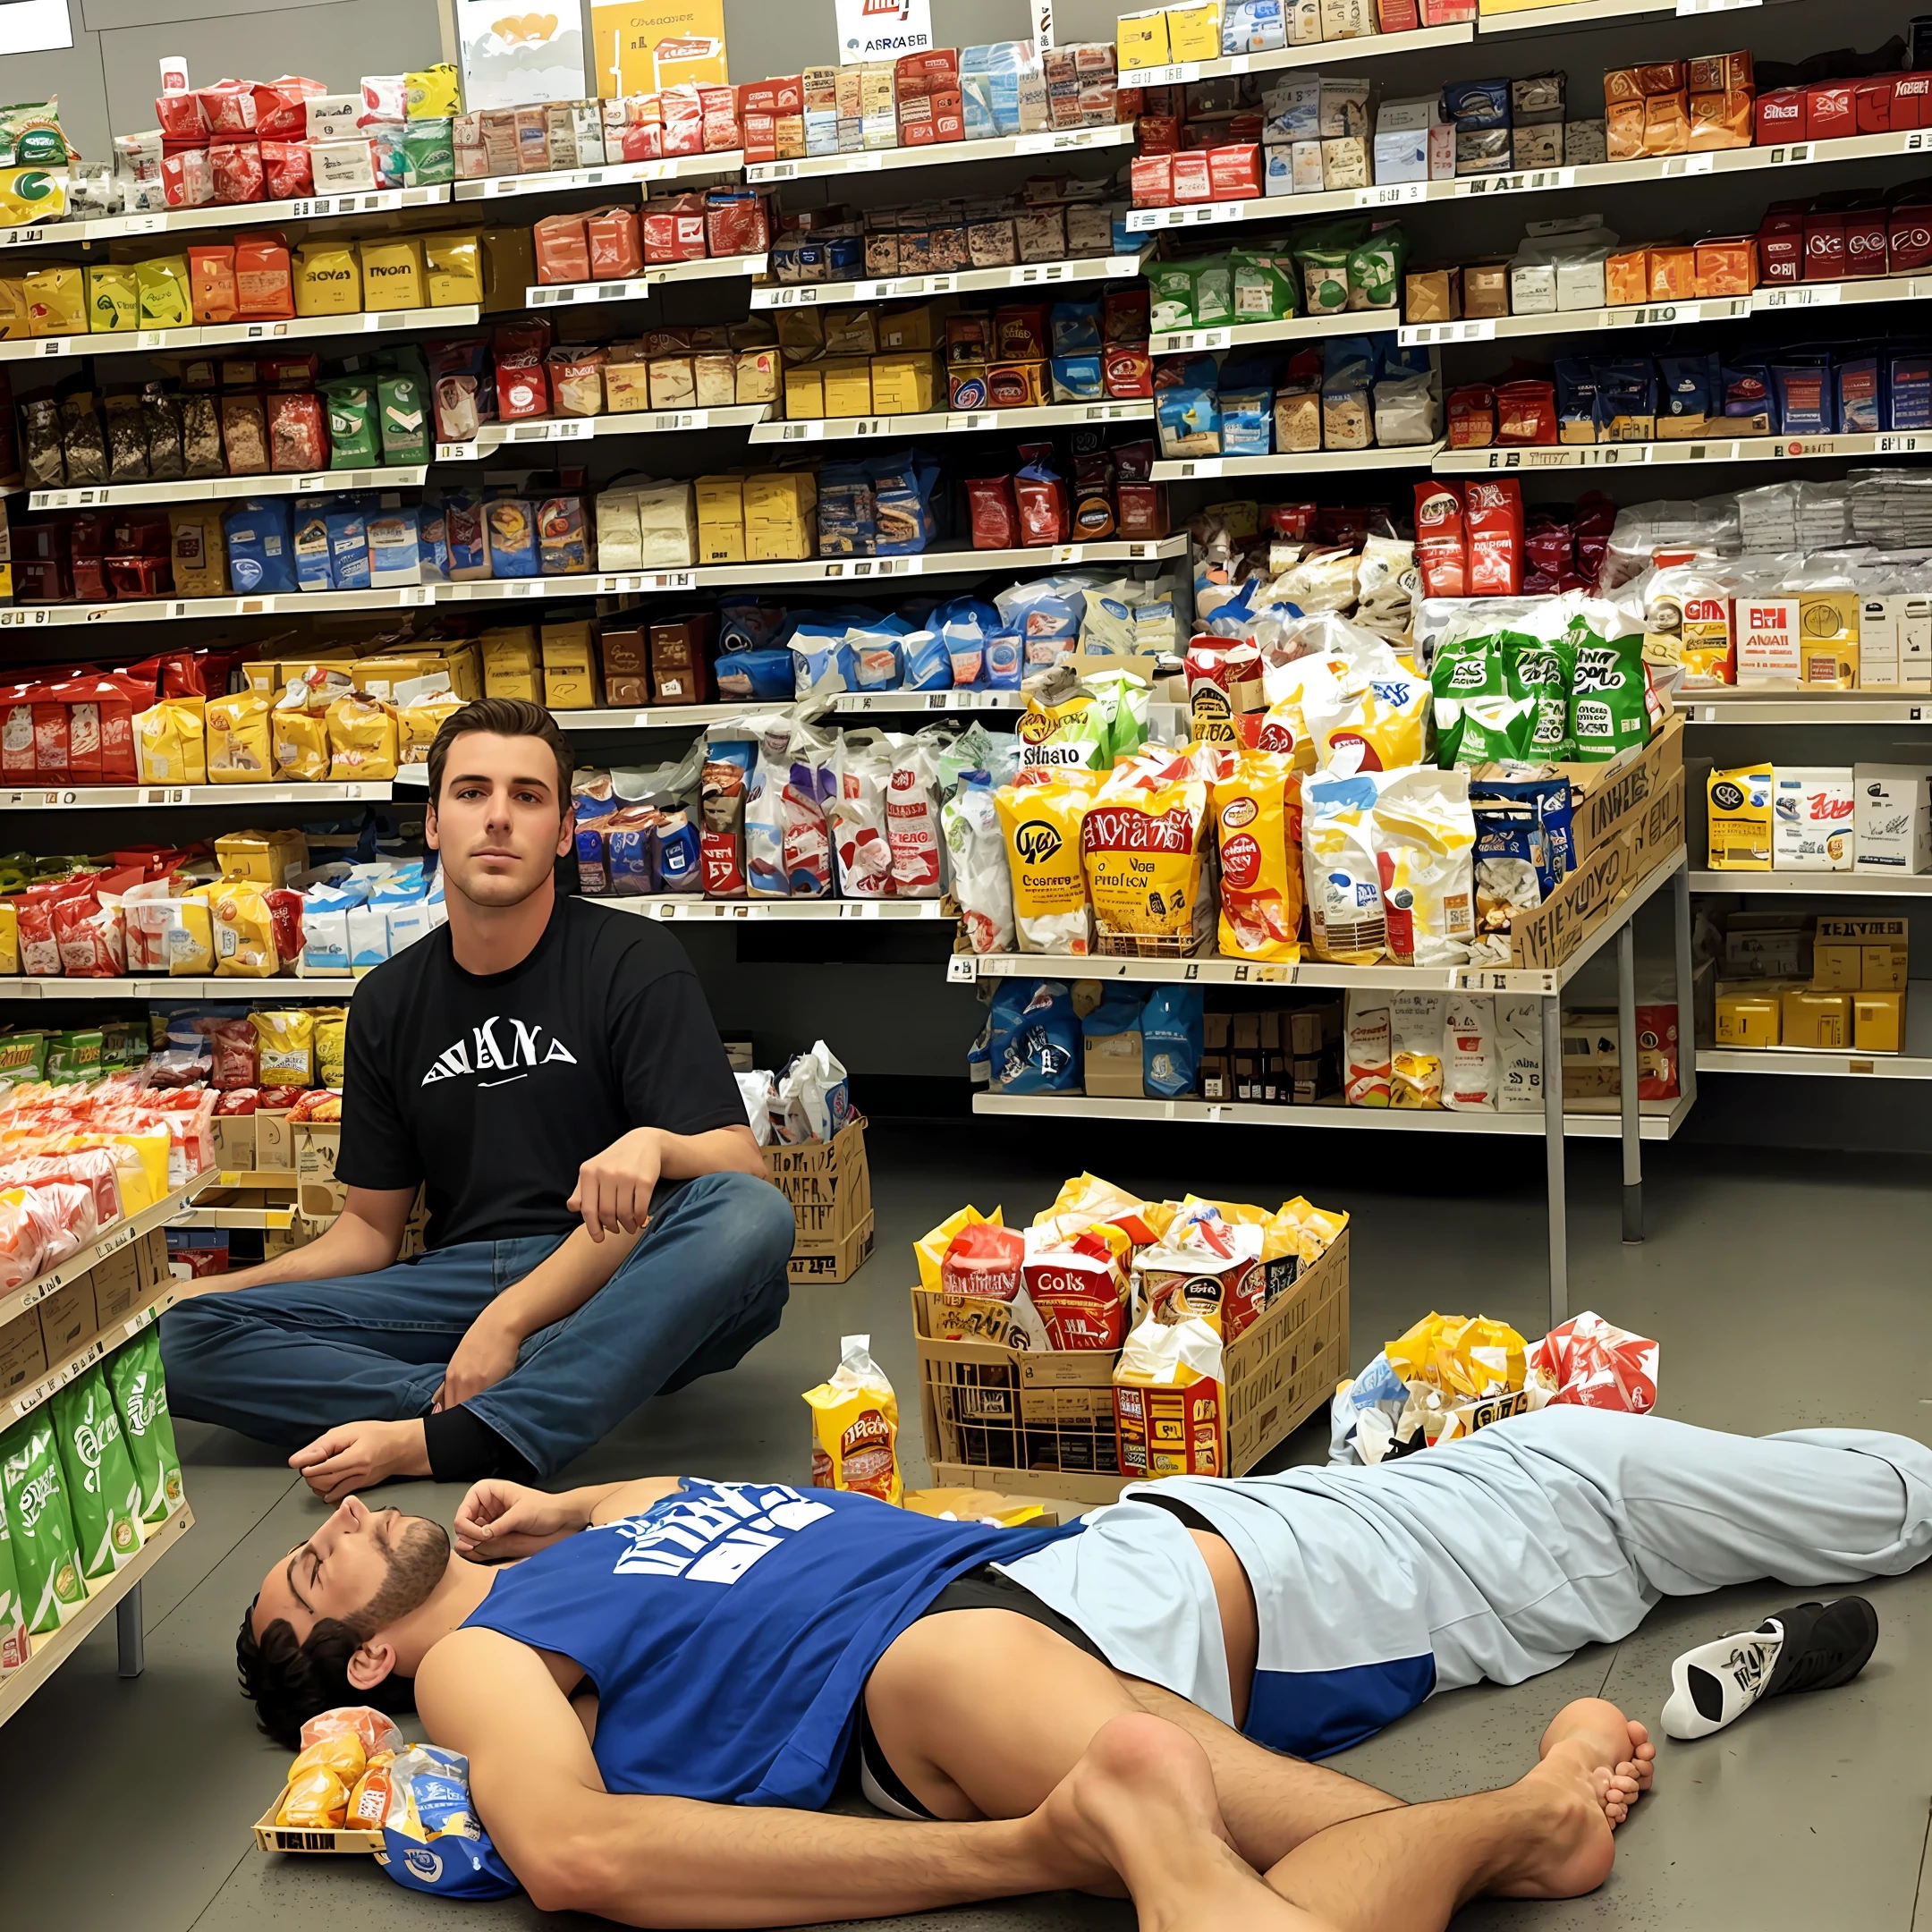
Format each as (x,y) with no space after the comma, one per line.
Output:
(883,29)
(641,48)
(518,60)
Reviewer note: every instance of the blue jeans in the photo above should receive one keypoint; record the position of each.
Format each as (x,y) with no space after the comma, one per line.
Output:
(284,1362)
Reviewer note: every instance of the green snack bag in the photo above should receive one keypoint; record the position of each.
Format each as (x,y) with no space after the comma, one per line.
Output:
(141,1402)
(1466,669)
(74,1056)
(1544,668)
(1172,309)
(403,418)
(42,1526)
(23,1056)
(102,1489)
(1494,728)
(162,286)
(1608,708)
(1375,269)
(1214,295)
(14,1643)
(1262,286)
(1325,278)
(352,422)
(428,152)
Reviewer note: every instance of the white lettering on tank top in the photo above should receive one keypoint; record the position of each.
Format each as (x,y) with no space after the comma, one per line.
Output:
(713,1538)
(486,1051)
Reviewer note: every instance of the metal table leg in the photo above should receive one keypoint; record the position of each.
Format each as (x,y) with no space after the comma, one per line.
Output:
(128,1633)
(1686,988)
(1628,1106)
(1553,1156)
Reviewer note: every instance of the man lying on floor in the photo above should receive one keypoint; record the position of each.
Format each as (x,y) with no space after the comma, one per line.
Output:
(1100,1704)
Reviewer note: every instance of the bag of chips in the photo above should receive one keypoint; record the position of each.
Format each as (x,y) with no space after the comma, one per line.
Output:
(1347,925)
(1143,844)
(1040,822)
(1609,709)
(1078,1283)
(362,738)
(981,883)
(170,743)
(1424,835)
(1369,720)
(1589,1361)
(1257,799)
(240,741)
(855,1426)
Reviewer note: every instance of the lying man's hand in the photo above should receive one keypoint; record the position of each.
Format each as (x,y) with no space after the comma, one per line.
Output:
(614,1188)
(498,1521)
(483,1358)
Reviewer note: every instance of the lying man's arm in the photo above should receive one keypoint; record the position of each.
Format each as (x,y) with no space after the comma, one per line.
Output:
(614,1188)
(674,1862)
(500,1521)
(364,1236)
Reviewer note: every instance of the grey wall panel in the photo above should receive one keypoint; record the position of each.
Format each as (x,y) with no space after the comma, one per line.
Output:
(105,16)
(75,73)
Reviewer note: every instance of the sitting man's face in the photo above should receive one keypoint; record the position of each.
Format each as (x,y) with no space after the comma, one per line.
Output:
(366,1567)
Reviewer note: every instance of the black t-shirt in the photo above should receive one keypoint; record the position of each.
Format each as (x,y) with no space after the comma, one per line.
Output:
(493,1088)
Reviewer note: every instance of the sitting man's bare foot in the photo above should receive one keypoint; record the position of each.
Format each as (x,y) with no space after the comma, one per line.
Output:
(1604,1724)
(1575,1794)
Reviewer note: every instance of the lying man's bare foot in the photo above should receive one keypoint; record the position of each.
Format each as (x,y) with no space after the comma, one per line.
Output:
(358,1455)
(1604,1723)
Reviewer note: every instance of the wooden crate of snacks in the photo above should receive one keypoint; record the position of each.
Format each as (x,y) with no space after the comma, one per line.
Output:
(830,1188)
(1042,1423)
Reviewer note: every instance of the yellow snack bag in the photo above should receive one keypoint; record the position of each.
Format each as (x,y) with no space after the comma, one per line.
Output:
(316,1799)
(453,271)
(392,273)
(240,747)
(855,1426)
(1369,723)
(1425,843)
(192,940)
(327,278)
(343,1753)
(284,1047)
(114,300)
(930,1248)
(300,736)
(419,720)
(1291,688)
(431,94)
(15,321)
(1168,1405)
(32,194)
(1086,1199)
(362,738)
(57,301)
(331,1042)
(1465,1355)
(244,931)
(170,743)
(198,555)
(164,289)
(1143,844)
(9,937)
(1041,824)
(1316,1228)
(1257,820)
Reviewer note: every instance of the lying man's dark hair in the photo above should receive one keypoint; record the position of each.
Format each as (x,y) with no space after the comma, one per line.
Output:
(290,1682)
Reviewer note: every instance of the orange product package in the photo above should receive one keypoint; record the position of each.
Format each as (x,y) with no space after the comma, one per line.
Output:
(562,249)
(615,243)
(1256,798)
(211,282)
(369,1802)
(855,1426)
(982,1289)
(264,279)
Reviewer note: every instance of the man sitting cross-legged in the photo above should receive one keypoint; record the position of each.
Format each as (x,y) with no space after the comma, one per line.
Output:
(628,1668)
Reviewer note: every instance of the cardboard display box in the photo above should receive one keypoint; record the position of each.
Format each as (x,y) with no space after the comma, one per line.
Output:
(269,1836)
(985,1408)
(830,1188)
(317,1192)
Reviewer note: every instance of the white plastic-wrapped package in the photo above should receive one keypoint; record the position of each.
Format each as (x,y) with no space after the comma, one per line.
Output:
(862,770)
(912,830)
(980,881)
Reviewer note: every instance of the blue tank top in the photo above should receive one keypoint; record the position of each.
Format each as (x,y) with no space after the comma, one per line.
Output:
(730,1629)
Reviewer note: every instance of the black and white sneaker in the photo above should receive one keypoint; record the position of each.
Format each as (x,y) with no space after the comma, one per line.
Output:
(1812,1647)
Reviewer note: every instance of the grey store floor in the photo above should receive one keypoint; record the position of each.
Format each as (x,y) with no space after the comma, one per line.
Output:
(1787,1290)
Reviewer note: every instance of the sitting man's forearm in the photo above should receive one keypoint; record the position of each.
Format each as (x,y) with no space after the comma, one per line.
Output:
(559,1285)
(364,1236)
(614,1188)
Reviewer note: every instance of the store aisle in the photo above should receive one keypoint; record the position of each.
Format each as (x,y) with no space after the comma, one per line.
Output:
(1783,1296)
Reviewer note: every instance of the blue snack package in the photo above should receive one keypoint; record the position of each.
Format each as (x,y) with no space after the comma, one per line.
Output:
(1119,1012)
(310,538)
(462,520)
(1747,396)
(1861,402)
(1188,421)
(1802,393)
(1006,651)
(628,850)
(675,853)
(1909,389)
(1172,1027)
(510,529)
(1475,105)
(1247,422)
(1689,386)
(756,674)
(593,872)
(1576,399)
(927,664)
(1034,1044)
(1076,328)
(261,545)
(1077,379)
(431,1839)
(348,536)
(1552,839)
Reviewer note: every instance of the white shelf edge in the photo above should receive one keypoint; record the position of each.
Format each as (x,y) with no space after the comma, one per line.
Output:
(141,986)
(109,1242)
(943,154)
(947,281)
(731,912)
(1659,1119)
(1852,884)
(1402,456)
(106,798)
(600,175)
(224,335)
(1356,47)
(229,489)
(230,214)
(949,422)
(1821,708)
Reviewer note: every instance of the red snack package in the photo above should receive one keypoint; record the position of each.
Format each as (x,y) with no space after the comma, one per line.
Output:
(1549,553)
(298,433)
(264,283)
(1596,516)
(683,119)
(1442,544)
(1233,171)
(39,951)
(983,1263)
(995,514)
(50,736)
(563,250)
(92,938)
(282,106)
(233,1042)
(1596,1365)
(1127,371)
(1526,412)
(1493,511)
(1041,494)
(187,180)
(1079,1290)
(83,726)
(1472,417)
(181,118)
(285,915)
(237,169)
(229,106)
(522,389)
(735,223)
(1151,177)
(119,697)
(615,244)
(287,173)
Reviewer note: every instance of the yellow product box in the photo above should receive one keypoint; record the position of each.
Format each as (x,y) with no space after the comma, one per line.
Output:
(1837,968)
(452,270)
(804,391)
(392,273)
(464,663)
(906,328)
(755,375)
(268,857)
(1878,1022)
(903,384)
(569,668)
(1194,32)
(1140,39)
(779,524)
(1749,1017)
(241,746)
(114,298)
(848,386)
(328,279)
(509,266)
(198,555)
(1815,1018)
(510,663)
(1882,968)
(1828,638)
(14,324)
(1740,819)
(57,301)
(721,519)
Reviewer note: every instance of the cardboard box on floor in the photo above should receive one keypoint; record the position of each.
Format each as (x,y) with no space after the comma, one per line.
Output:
(977,1399)
(830,1188)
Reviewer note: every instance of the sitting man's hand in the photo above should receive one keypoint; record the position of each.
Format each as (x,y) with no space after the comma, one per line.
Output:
(498,1521)
(358,1455)
(483,1358)
(614,1188)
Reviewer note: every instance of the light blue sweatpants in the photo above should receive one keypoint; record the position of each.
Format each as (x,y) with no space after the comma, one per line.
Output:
(1492,1558)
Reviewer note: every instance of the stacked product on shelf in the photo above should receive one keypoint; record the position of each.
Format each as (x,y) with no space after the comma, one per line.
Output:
(1331,268)
(1050,218)
(1215,29)
(1347,393)
(1151,1314)
(609,245)
(1813,818)
(1811,982)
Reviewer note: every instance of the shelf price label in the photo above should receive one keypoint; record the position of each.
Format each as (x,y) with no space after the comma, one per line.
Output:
(1419,335)
(1202,466)
(802,432)
(1533,183)
(682,419)
(152,222)
(1392,194)
(458,451)
(1806,295)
